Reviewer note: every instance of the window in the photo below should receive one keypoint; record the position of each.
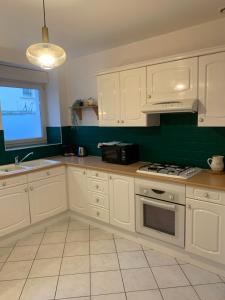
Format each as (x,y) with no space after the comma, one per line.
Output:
(21,107)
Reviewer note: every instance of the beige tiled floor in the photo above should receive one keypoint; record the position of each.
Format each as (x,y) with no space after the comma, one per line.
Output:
(74,261)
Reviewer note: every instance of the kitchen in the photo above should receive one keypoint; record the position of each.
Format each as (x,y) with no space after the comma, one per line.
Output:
(112,182)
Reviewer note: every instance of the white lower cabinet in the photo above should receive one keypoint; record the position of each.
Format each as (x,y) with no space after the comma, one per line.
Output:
(205,229)
(47,197)
(121,195)
(14,212)
(77,190)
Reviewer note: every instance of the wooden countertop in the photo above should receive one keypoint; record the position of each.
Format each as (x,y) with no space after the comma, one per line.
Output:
(204,179)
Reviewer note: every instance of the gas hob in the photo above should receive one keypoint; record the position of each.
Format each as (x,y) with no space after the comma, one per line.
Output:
(174,171)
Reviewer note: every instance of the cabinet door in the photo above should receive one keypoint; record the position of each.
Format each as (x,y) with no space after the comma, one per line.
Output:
(14,212)
(78,190)
(109,99)
(121,197)
(205,229)
(211,110)
(174,80)
(47,198)
(133,97)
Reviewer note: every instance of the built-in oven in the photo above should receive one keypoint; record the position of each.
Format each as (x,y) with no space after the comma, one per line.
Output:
(160,211)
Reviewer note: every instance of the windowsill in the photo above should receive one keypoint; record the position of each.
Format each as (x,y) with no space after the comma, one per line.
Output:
(30,146)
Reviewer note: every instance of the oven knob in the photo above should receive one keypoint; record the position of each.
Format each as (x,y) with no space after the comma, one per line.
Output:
(171,197)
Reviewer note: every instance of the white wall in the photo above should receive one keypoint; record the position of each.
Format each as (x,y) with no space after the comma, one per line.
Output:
(80,73)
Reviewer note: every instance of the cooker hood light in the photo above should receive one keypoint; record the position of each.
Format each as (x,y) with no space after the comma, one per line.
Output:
(170,106)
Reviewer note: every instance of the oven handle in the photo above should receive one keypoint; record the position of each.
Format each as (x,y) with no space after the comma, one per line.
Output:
(171,207)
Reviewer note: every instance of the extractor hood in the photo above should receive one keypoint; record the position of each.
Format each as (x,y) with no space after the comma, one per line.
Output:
(170,106)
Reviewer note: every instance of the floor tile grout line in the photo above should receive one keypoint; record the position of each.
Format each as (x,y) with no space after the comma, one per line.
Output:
(31,266)
(120,267)
(7,256)
(152,273)
(90,257)
(189,281)
(57,283)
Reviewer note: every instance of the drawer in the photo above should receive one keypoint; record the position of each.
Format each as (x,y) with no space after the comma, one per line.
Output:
(98,186)
(208,195)
(37,175)
(97,175)
(99,213)
(13,181)
(98,200)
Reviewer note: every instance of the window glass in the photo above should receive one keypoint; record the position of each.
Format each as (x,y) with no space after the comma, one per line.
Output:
(21,113)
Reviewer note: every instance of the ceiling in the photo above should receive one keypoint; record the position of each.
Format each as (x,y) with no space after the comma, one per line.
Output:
(86,26)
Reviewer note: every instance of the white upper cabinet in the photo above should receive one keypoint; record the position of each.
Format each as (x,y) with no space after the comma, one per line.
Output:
(14,212)
(176,80)
(121,96)
(133,97)
(205,229)
(212,90)
(109,99)
(78,190)
(121,194)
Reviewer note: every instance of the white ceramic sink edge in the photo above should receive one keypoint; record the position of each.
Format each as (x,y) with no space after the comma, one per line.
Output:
(39,163)
(29,165)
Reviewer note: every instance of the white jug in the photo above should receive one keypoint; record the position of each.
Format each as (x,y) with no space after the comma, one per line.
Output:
(216,163)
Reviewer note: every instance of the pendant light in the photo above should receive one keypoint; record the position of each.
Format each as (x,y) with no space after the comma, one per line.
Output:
(45,55)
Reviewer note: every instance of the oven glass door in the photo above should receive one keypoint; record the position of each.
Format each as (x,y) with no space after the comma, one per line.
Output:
(160,218)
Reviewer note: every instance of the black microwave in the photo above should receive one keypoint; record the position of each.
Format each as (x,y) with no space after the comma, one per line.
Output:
(122,153)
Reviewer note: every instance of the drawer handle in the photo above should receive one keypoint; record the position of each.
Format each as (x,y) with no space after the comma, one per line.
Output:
(97,186)
(97,200)
(98,214)
(206,195)
(4,183)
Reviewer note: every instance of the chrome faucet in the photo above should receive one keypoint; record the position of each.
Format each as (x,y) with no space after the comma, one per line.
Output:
(17,161)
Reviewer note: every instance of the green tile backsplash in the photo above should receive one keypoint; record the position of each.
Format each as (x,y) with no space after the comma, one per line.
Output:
(176,140)
(53,136)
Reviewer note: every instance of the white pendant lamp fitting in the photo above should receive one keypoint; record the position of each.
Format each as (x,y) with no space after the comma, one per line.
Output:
(45,55)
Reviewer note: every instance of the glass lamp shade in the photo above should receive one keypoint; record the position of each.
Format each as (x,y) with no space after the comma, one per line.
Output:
(46,55)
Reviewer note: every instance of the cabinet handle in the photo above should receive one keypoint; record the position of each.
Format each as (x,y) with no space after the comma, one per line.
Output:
(201,120)
(96,174)
(97,186)
(98,214)
(110,177)
(118,121)
(31,188)
(122,121)
(97,200)
(189,206)
(149,96)
(206,195)
(4,183)
(26,190)
(84,172)
(48,173)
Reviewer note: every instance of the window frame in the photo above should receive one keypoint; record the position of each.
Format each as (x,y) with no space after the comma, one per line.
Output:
(32,141)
